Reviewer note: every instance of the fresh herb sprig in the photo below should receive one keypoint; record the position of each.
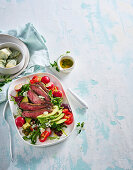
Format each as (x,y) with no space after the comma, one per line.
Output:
(80,127)
(55,100)
(55,65)
(6,80)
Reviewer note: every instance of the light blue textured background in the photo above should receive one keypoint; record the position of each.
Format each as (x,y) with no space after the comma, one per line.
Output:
(99,33)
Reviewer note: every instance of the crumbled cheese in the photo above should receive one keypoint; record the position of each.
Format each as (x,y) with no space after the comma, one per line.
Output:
(42,130)
(48,124)
(41,97)
(33,126)
(25,93)
(45,113)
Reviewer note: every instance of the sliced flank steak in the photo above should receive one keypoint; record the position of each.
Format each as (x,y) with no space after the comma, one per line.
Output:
(39,91)
(34,114)
(30,106)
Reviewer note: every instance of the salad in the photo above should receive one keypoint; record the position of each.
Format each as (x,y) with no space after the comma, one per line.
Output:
(41,114)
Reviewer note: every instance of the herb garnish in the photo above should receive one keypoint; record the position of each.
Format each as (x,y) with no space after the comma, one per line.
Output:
(80,127)
(6,80)
(55,100)
(24,88)
(55,65)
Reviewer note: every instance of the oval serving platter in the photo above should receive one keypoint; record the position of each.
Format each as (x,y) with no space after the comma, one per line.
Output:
(14,107)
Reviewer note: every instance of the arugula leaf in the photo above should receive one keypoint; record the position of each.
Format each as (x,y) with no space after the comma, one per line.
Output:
(58,127)
(33,136)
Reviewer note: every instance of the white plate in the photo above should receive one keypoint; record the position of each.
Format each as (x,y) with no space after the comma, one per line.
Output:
(8,38)
(14,107)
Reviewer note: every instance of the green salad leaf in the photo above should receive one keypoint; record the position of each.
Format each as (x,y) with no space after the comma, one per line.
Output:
(24,88)
(55,100)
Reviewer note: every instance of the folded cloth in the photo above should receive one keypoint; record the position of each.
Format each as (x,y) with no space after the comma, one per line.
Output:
(39,57)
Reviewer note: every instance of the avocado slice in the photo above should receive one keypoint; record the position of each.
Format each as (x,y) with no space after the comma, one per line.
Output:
(58,118)
(56,109)
(26,126)
(56,115)
(60,121)
(25,99)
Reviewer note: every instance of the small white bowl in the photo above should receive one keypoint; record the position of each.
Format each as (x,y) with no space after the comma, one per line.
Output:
(21,59)
(65,70)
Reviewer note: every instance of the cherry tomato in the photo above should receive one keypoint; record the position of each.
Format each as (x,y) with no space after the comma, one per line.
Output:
(45,79)
(50,85)
(32,82)
(18,87)
(43,136)
(35,79)
(57,93)
(65,111)
(69,117)
(19,121)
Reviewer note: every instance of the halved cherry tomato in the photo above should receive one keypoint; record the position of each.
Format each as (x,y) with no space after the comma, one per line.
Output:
(50,85)
(69,117)
(19,121)
(45,79)
(65,111)
(43,136)
(57,93)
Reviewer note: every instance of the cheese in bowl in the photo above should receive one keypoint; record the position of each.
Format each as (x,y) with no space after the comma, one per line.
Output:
(11,58)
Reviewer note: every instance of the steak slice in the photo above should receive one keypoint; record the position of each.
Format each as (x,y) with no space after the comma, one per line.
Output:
(30,106)
(34,98)
(38,90)
(35,113)
(42,85)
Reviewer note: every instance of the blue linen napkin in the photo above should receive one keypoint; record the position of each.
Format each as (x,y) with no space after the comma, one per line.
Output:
(39,57)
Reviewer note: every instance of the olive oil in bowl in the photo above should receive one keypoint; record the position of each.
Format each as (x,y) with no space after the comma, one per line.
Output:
(66,63)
